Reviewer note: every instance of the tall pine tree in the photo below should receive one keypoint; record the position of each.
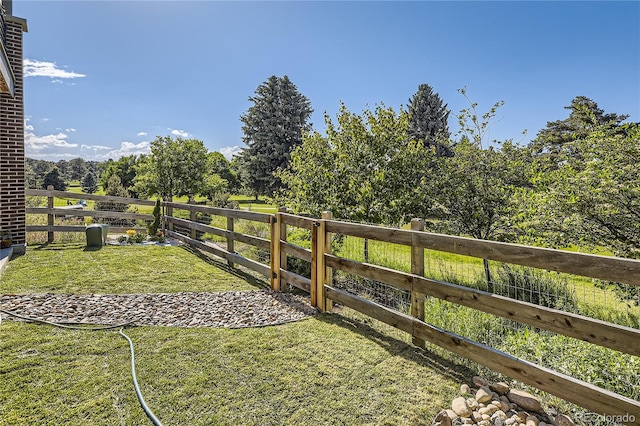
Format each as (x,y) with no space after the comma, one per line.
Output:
(272,127)
(90,183)
(428,118)
(54,178)
(584,118)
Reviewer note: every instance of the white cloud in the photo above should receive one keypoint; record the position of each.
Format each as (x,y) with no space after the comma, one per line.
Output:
(38,143)
(70,130)
(94,148)
(126,148)
(142,133)
(230,151)
(33,68)
(180,133)
(57,81)
(52,156)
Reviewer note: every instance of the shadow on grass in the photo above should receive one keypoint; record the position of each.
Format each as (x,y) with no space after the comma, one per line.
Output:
(395,347)
(59,246)
(251,279)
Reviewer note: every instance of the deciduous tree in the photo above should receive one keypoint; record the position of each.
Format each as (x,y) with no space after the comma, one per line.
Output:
(366,168)
(593,198)
(175,167)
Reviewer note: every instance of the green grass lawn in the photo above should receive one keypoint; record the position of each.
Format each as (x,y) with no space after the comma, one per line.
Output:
(71,268)
(323,370)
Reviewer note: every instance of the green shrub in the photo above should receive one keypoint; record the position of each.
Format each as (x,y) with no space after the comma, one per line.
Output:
(535,286)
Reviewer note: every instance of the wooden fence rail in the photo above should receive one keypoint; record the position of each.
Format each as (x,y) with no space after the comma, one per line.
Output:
(52,212)
(323,293)
(613,336)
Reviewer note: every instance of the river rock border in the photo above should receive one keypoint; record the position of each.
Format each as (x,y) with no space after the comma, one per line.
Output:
(233,309)
(496,404)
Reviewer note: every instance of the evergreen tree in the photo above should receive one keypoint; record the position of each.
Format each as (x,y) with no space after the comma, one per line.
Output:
(77,169)
(153,227)
(272,127)
(53,177)
(428,120)
(90,183)
(584,118)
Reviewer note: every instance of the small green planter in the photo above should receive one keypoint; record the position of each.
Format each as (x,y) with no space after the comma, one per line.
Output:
(5,241)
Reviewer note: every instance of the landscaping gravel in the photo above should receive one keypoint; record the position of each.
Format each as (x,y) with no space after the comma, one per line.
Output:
(233,309)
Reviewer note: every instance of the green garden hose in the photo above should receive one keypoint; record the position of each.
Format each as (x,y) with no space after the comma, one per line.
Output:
(143,404)
(146,409)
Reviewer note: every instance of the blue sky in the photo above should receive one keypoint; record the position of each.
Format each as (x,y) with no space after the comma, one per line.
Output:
(103,79)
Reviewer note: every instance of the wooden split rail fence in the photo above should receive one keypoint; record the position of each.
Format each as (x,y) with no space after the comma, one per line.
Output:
(323,293)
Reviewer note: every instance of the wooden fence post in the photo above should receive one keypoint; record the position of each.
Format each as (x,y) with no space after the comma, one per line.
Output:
(275,253)
(49,214)
(170,213)
(283,237)
(417,267)
(315,230)
(230,240)
(193,217)
(325,273)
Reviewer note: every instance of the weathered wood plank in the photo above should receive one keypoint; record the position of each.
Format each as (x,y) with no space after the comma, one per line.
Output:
(230,241)
(37,192)
(584,394)
(297,251)
(372,309)
(56,228)
(36,210)
(99,213)
(80,228)
(417,268)
(76,196)
(50,218)
(296,280)
(282,237)
(191,225)
(581,393)
(297,221)
(220,252)
(589,265)
(314,264)
(327,247)
(235,213)
(371,232)
(275,254)
(613,336)
(259,242)
(373,272)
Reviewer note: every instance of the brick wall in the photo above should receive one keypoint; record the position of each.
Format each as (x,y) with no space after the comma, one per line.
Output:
(12,179)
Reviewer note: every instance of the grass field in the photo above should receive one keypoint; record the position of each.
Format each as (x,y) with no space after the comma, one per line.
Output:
(245,202)
(322,370)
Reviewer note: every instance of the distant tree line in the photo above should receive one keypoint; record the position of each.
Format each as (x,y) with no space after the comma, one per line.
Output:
(577,182)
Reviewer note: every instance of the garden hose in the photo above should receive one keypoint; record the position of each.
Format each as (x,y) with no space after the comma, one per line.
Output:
(143,404)
(65,325)
(146,409)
